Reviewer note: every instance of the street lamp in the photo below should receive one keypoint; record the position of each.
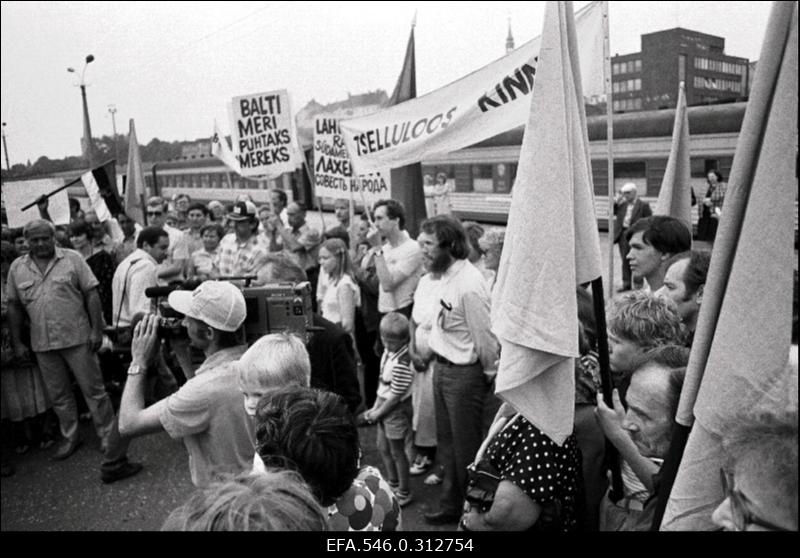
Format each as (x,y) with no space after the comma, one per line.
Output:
(88,145)
(5,147)
(113,110)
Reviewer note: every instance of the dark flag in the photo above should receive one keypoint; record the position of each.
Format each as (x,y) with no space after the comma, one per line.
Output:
(407,181)
(101,185)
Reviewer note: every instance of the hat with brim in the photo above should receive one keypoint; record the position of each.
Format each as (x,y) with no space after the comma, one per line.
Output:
(242,211)
(217,303)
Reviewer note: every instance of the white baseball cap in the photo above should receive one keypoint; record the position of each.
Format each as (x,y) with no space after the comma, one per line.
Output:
(216,303)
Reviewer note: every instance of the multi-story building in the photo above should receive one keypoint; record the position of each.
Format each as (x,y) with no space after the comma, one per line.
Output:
(648,80)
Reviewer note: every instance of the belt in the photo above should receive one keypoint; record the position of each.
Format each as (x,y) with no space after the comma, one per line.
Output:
(440,359)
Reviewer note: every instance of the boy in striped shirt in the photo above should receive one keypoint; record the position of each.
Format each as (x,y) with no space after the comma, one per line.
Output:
(392,409)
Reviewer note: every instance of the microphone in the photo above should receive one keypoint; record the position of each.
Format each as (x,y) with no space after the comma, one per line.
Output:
(156,292)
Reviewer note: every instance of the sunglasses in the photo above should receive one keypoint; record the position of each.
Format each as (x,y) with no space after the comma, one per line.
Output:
(740,513)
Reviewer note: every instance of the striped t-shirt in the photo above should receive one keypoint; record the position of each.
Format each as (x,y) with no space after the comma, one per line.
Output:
(396,374)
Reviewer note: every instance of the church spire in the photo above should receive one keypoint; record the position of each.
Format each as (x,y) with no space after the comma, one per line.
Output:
(510,38)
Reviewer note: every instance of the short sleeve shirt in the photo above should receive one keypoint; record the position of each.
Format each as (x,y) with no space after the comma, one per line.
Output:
(238,259)
(208,413)
(55,299)
(404,260)
(547,473)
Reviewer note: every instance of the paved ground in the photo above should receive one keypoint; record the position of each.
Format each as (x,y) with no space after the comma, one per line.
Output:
(68,495)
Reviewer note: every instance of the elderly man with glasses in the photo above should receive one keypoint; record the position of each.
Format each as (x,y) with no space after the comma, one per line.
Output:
(760,482)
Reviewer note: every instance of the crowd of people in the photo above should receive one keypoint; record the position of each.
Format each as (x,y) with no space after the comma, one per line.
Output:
(401,348)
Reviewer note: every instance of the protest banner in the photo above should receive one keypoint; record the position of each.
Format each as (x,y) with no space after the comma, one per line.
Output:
(333,172)
(17,194)
(481,105)
(263,134)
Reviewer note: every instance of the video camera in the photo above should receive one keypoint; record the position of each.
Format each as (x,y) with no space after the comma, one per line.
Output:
(271,308)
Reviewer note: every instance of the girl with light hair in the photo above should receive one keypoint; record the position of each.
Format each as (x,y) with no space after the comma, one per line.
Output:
(338,294)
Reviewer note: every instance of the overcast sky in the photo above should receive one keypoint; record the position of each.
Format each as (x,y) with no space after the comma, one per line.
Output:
(173,67)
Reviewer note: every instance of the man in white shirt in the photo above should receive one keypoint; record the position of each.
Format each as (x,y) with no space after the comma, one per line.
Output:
(136,273)
(465,356)
(398,258)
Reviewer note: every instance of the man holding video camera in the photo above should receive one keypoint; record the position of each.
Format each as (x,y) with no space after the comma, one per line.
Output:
(207,411)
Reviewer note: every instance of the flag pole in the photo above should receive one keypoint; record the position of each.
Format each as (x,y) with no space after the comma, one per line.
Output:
(53,193)
(609,146)
(364,201)
(612,456)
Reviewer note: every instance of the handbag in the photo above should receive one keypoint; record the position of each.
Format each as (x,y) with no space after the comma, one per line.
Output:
(482,477)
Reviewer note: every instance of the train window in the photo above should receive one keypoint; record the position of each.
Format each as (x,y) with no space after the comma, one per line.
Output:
(482,178)
(505,173)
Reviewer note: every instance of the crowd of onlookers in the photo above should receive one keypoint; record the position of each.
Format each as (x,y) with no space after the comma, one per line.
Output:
(400,347)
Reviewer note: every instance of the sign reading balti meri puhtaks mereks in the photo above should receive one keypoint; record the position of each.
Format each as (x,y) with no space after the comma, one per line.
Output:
(262,129)
(333,171)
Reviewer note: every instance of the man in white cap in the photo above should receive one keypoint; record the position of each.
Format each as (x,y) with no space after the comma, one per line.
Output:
(242,252)
(628,208)
(207,411)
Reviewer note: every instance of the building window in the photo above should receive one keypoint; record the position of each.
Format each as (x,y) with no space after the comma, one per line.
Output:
(719,66)
(717,84)
(637,65)
(627,104)
(615,68)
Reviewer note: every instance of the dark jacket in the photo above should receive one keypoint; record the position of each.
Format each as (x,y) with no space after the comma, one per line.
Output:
(641,209)
(333,361)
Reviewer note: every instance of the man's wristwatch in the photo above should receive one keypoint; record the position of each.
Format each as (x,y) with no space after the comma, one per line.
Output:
(135,370)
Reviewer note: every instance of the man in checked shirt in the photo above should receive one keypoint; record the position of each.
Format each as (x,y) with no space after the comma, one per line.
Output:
(242,252)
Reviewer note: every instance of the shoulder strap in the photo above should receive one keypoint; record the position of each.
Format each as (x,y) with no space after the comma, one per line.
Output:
(124,290)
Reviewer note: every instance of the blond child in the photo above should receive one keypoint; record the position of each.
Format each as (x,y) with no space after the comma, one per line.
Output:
(392,410)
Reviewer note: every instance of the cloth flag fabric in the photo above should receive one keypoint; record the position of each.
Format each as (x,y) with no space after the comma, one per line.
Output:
(551,243)
(675,197)
(135,183)
(409,192)
(487,102)
(740,354)
(101,186)
(220,150)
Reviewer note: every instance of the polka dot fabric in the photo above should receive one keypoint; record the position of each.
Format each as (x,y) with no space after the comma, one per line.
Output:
(547,473)
(368,505)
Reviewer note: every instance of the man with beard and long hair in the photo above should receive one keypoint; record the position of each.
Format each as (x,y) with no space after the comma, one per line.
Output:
(465,353)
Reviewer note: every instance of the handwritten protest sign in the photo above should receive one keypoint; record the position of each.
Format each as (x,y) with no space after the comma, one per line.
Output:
(263,134)
(20,193)
(333,172)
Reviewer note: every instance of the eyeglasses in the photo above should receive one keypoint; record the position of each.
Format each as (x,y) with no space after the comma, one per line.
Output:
(740,514)
(155,213)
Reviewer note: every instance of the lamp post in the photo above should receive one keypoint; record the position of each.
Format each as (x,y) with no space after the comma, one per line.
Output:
(113,110)
(88,144)
(5,147)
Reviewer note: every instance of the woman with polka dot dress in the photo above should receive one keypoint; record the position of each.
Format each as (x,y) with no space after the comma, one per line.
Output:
(539,483)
